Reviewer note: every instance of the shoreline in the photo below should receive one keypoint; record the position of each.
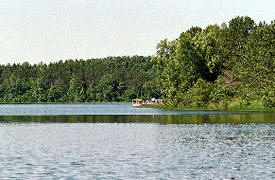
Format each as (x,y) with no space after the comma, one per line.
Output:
(63,102)
(165,107)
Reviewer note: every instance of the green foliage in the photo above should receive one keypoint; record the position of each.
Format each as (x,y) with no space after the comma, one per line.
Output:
(221,95)
(181,70)
(91,93)
(92,80)
(208,43)
(128,95)
(199,95)
(165,48)
(227,66)
(238,103)
(193,32)
(256,70)
(232,40)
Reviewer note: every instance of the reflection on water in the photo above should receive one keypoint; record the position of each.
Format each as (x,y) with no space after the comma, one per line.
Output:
(122,113)
(79,109)
(241,118)
(90,109)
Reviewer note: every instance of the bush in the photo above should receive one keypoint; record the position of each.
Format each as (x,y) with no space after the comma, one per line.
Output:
(238,103)
(256,104)
(198,95)
(221,95)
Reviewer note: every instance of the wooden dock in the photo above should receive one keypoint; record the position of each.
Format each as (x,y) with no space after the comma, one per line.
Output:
(140,102)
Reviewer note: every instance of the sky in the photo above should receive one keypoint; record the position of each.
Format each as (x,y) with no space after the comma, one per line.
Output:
(52,30)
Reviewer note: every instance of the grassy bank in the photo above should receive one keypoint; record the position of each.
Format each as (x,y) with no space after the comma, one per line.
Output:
(166,107)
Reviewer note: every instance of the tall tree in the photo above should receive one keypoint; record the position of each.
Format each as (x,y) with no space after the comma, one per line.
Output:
(256,70)
(233,39)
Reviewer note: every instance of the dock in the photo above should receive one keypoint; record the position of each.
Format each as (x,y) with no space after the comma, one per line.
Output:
(152,101)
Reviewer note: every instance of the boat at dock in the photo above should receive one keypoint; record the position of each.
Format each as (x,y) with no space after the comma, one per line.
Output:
(137,102)
(140,102)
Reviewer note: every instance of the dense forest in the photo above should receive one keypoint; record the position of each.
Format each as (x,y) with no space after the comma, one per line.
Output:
(221,66)
(94,80)
(227,66)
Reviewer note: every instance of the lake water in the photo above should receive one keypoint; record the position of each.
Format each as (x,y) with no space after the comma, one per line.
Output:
(117,141)
(89,109)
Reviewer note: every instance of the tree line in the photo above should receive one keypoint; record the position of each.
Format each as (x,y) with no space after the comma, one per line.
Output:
(226,66)
(94,80)
(221,66)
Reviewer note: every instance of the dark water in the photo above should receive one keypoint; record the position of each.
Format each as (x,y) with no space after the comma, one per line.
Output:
(67,144)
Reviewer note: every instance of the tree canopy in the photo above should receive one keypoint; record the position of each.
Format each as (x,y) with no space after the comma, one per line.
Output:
(231,65)
(92,80)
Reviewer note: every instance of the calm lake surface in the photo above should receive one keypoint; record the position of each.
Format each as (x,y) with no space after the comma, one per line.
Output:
(117,141)
(89,109)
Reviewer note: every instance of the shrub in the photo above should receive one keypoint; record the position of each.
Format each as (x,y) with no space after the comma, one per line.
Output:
(198,95)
